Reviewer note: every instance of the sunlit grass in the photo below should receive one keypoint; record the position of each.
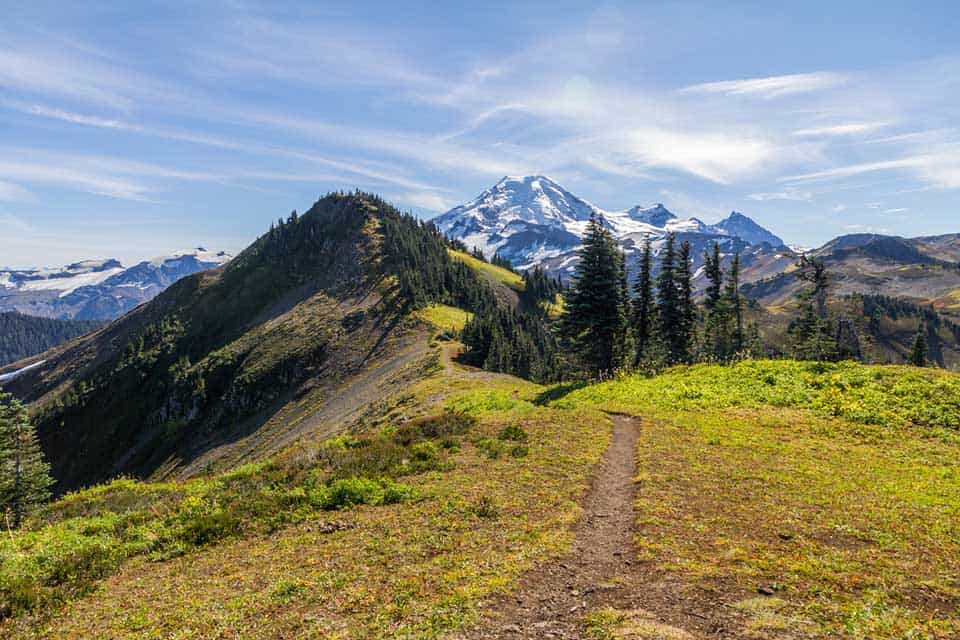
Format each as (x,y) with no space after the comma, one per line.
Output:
(509,278)
(837,488)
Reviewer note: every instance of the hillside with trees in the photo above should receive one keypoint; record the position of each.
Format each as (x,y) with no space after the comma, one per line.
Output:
(23,336)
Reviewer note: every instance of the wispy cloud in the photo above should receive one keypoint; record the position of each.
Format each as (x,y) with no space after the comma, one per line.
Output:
(772,87)
(849,129)
(786,194)
(10,192)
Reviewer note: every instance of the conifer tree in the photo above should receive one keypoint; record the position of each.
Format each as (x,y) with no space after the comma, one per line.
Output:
(714,273)
(24,475)
(918,354)
(625,344)
(591,322)
(812,332)
(734,304)
(643,303)
(688,309)
(669,313)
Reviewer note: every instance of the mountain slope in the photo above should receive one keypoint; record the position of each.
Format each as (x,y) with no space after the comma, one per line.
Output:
(24,336)
(874,265)
(217,358)
(98,289)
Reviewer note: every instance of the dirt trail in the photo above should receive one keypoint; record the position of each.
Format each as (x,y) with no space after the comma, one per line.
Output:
(601,570)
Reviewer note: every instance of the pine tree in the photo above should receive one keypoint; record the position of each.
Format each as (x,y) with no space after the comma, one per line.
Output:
(714,273)
(643,303)
(812,332)
(24,475)
(625,344)
(669,313)
(735,305)
(717,316)
(592,322)
(918,354)
(688,309)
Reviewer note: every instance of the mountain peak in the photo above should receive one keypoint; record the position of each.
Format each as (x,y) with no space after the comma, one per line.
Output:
(656,214)
(747,229)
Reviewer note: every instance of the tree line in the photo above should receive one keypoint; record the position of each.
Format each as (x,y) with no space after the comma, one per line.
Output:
(607,325)
(22,336)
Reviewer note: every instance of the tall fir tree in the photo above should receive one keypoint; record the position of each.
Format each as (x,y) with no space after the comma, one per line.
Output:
(643,303)
(734,304)
(918,354)
(812,332)
(716,312)
(688,308)
(714,273)
(24,475)
(592,320)
(625,343)
(669,313)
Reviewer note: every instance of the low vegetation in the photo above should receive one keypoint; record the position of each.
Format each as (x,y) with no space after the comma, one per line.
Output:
(822,499)
(398,531)
(504,276)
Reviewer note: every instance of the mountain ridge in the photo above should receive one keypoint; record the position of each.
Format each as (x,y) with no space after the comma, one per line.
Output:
(532,220)
(98,289)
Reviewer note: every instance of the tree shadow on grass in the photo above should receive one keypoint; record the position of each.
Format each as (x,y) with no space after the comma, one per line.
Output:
(557,392)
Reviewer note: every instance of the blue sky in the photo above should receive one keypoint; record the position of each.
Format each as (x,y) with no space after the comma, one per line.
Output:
(132,129)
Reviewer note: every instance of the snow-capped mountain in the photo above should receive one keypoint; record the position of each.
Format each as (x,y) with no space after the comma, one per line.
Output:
(737,224)
(532,220)
(98,289)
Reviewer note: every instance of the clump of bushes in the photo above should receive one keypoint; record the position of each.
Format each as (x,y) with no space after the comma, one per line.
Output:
(350,492)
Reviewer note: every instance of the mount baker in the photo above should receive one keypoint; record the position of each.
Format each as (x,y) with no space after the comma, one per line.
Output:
(532,220)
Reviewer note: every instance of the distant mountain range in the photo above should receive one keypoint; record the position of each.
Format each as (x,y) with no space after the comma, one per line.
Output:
(532,220)
(98,289)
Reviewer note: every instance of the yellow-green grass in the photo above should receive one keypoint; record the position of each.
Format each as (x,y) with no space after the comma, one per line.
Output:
(444,318)
(747,483)
(554,309)
(418,569)
(504,276)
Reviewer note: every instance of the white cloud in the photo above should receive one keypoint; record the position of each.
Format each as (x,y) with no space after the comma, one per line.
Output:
(837,208)
(10,192)
(849,129)
(429,200)
(772,87)
(897,210)
(786,194)
(10,221)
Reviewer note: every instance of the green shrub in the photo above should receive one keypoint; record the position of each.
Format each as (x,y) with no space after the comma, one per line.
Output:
(491,447)
(351,492)
(485,507)
(513,432)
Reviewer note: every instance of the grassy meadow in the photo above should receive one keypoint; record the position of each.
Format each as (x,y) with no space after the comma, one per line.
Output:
(395,532)
(821,500)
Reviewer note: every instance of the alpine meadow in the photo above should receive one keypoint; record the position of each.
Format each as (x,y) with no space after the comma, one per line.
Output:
(723,404)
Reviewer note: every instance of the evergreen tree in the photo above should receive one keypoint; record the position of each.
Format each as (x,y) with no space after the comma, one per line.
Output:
(688,309)
(669,313)
(812,332)
(717,316)
(714,273)
(625,344)
(734,305)
(24,475)
(643,303)
(918,354)
(591,321)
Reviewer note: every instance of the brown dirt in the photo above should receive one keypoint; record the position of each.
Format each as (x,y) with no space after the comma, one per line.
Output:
(602,571)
